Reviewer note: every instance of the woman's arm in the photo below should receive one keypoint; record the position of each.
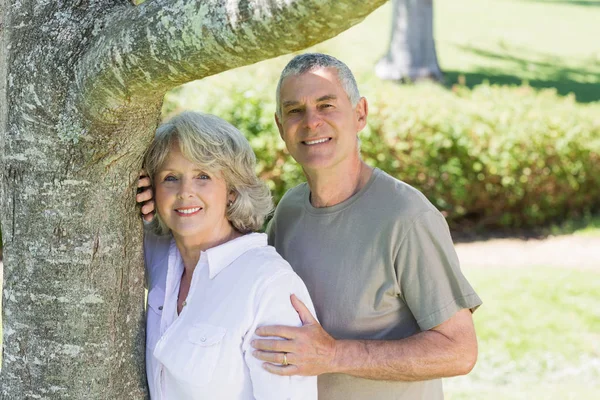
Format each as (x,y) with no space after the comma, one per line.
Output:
(273,306)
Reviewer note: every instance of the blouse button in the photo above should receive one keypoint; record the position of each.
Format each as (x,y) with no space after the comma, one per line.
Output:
(160,308)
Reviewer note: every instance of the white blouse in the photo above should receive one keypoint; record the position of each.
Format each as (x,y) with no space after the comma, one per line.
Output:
(205,352)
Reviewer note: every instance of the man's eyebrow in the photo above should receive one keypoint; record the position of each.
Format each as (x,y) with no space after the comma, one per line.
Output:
(327,97)
(290,103)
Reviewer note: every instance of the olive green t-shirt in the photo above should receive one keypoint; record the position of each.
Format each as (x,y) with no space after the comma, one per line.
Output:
(380,265)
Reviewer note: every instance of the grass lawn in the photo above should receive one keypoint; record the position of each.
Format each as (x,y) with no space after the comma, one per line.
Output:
(548,44)
(539,335)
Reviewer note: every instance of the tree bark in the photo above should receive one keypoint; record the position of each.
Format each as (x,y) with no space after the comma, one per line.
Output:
(81,85)
(411,54)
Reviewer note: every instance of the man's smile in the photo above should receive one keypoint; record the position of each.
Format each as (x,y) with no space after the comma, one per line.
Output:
(315,141)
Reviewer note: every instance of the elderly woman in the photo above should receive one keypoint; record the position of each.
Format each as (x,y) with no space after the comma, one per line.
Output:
(211,280)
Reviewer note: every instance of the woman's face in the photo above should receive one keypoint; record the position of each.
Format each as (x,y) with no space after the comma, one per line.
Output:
(190,201)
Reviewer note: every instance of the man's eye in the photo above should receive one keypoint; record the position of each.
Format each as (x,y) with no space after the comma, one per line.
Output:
(294,111)
(326,105)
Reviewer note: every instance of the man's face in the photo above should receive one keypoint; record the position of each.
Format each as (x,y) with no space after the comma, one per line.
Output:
(318,123)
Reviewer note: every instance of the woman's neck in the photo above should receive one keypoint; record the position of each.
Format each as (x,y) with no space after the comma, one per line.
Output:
(190,248)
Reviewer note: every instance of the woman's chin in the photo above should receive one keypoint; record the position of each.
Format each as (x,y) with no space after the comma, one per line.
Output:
(190,232)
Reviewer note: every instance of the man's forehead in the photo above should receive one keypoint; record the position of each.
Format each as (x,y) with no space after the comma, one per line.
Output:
(318,82)
(328,73)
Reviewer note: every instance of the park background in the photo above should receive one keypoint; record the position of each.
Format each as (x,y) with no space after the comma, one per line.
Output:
(522,92)
(507,147)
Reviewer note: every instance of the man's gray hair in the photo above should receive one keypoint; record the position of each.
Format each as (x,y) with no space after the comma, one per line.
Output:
(311,61)
(215,145)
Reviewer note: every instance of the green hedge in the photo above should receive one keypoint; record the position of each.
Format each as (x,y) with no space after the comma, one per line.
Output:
(487,157)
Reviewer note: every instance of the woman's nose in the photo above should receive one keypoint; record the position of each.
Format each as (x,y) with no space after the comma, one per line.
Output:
(186,187)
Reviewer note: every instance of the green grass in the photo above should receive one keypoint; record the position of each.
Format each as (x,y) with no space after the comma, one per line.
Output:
(548,44)
(539,335)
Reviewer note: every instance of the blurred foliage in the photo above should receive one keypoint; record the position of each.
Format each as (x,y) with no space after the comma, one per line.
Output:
(491,156)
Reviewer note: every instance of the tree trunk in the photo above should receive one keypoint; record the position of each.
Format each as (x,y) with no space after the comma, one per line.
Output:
(81,85)
(411,55)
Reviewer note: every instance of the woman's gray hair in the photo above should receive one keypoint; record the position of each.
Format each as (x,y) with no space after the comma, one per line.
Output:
(311,61)
(215,145)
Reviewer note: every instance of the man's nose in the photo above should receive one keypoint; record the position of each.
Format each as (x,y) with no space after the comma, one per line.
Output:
(312,119)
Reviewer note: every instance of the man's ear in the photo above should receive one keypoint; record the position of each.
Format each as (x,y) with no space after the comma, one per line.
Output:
(362,111)
(279,126)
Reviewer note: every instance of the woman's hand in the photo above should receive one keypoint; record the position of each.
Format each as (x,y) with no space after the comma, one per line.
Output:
(144,197)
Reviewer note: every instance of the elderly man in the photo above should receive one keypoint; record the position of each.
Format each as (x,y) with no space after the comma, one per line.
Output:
(376,256)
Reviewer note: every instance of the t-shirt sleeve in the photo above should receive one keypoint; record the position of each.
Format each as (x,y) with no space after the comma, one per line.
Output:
(431,282)
(273,307)
(270,231)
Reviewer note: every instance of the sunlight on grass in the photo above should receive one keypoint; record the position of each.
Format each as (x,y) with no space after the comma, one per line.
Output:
(547,44)
(539,335)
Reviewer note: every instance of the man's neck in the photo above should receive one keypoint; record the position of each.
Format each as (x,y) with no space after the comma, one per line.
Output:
(333,186)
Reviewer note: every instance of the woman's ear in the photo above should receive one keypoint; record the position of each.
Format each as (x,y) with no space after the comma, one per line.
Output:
(231,196)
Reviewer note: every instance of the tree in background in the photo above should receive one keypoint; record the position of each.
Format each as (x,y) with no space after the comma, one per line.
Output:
(81,87)
(411,54)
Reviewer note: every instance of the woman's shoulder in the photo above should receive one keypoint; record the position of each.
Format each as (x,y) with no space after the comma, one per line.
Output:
(263,265)
(266,261)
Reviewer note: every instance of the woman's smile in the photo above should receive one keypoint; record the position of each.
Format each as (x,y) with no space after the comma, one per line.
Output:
(188,211)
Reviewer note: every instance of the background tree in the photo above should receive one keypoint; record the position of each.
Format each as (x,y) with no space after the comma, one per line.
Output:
(411,55)
(81,86)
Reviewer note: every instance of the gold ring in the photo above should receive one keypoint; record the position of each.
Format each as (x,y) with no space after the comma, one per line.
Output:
(285,362)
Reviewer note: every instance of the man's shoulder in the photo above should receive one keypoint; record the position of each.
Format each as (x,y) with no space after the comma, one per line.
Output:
(397,196)
(292,201)
(295,195)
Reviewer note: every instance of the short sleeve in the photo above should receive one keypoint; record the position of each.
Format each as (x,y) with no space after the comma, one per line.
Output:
(432,284)
(270,231)
(273,307)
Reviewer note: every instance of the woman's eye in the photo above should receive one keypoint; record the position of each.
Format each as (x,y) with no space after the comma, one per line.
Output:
(203,176)
(170,178)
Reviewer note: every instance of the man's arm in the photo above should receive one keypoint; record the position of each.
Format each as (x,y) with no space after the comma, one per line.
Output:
(448,349)
(144,197)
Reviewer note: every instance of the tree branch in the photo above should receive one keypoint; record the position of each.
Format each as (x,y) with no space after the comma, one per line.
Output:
(148,49)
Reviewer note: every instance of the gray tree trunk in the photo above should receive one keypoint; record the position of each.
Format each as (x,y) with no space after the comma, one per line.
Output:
(81,85)
(411,55)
